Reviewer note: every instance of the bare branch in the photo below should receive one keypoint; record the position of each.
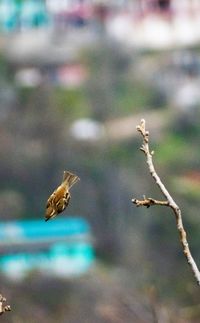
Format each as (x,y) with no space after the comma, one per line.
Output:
(148,202)
(169,200)
(3,308)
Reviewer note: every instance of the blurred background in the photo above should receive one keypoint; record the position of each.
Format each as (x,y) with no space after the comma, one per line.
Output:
(76,77)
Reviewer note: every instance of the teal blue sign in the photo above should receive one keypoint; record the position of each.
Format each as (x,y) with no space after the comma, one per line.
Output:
(30,231)
(61,247)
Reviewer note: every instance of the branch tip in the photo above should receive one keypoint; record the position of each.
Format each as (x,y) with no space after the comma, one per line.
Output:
(5,308)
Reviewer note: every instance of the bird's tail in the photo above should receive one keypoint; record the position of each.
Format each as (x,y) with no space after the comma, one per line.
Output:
(70,178)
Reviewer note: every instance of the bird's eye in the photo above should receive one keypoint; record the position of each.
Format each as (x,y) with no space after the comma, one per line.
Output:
(48,204)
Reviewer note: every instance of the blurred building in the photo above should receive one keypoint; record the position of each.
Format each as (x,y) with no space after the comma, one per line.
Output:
(52,32)
(18,15)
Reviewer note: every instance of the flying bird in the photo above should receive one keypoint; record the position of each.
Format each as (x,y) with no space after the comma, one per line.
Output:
(59,199)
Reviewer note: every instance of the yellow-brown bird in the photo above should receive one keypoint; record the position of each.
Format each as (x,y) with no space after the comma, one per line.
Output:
(59,199)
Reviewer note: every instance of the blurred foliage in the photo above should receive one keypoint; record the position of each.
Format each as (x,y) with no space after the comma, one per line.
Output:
(174,145)
(72,103)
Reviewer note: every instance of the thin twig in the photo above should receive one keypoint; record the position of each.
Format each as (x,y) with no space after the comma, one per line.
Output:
(3,308)
(148,202)
(169,200)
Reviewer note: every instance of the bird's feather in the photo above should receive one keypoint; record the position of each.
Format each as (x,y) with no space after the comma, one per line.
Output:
(69,179)
(59,199)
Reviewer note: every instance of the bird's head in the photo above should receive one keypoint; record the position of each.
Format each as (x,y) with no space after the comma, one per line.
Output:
(50,212)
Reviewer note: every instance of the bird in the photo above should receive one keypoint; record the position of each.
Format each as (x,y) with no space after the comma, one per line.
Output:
(59,199)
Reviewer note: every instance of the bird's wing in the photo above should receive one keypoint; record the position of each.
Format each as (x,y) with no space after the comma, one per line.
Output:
(51,199)
(63,203)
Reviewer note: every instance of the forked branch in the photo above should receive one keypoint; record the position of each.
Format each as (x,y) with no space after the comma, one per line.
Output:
(169,201)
